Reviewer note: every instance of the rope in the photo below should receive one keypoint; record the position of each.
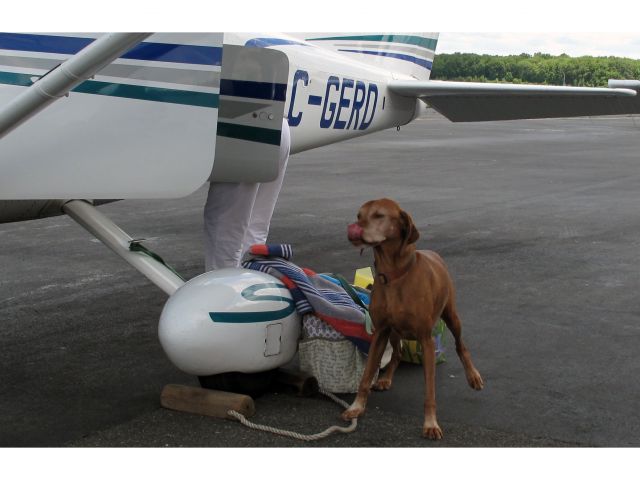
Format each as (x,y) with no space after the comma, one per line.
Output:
(298,436)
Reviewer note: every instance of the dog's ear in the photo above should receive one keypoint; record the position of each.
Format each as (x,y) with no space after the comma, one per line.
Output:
(410,233)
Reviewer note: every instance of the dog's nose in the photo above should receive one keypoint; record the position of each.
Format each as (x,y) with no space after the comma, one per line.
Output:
(354,232)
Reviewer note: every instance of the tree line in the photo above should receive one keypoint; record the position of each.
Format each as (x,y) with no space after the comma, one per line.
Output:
(540,68)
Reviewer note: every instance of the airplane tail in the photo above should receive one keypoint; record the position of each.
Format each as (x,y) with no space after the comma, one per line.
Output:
(402,53)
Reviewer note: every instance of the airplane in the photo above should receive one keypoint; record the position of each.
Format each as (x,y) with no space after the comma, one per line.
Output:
(87,119)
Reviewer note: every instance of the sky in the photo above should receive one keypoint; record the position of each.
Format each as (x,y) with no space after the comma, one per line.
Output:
(534,27)
(574,44)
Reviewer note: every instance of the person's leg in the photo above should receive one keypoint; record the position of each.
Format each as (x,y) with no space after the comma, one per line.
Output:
(226,216)
(266,197)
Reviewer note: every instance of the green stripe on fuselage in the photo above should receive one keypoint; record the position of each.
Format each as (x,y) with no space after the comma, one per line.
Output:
(154,94)
(252,134)
(429,43)
(137,92)
(18,79)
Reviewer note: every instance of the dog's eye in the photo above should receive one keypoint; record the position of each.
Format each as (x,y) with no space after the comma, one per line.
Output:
(378,215)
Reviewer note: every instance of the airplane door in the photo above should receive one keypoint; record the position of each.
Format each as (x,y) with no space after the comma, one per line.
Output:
(253,88)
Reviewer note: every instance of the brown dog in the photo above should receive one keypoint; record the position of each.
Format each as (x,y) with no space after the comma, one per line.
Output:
(412,290)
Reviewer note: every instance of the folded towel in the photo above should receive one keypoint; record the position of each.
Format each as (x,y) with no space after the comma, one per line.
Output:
(283,251)
(312,293)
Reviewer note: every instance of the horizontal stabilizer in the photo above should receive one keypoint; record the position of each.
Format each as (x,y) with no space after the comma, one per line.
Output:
(632,84)
(476,102)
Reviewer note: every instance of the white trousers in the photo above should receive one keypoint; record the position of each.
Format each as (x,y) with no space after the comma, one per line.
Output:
(238,215)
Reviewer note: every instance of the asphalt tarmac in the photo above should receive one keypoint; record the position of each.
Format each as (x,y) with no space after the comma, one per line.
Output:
(540,226)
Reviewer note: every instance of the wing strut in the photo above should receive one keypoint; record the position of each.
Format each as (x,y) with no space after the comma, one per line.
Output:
(100,226)
(69,74)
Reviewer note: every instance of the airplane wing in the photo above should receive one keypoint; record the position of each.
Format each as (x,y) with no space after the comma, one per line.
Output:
(478,102)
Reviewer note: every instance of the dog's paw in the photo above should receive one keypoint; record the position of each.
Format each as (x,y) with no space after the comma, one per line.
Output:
(352,412)
(432,431)
(475,380)
(382,384)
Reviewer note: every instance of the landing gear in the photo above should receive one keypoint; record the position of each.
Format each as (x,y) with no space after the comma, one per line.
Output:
(252,384)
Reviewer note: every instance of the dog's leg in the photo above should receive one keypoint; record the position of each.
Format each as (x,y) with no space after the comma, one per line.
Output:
(430,428)
(378,344)
(385,380)
(451,319)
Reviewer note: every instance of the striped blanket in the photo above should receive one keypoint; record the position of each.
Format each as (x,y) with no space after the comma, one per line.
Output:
(312,293)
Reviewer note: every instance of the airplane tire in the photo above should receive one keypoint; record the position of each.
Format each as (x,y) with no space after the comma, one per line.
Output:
(252,384)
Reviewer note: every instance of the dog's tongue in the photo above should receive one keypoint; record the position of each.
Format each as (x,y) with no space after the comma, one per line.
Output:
(354,232)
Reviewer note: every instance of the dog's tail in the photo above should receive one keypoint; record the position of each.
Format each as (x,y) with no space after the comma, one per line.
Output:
(403,53)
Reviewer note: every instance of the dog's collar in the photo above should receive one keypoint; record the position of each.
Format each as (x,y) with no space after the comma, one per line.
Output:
(386,278)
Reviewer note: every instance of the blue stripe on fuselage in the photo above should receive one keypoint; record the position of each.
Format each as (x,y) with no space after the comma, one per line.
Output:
(154,51)
(259,90)
(418,61)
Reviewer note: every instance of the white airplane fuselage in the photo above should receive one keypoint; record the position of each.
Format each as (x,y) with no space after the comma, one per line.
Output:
(331,96)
